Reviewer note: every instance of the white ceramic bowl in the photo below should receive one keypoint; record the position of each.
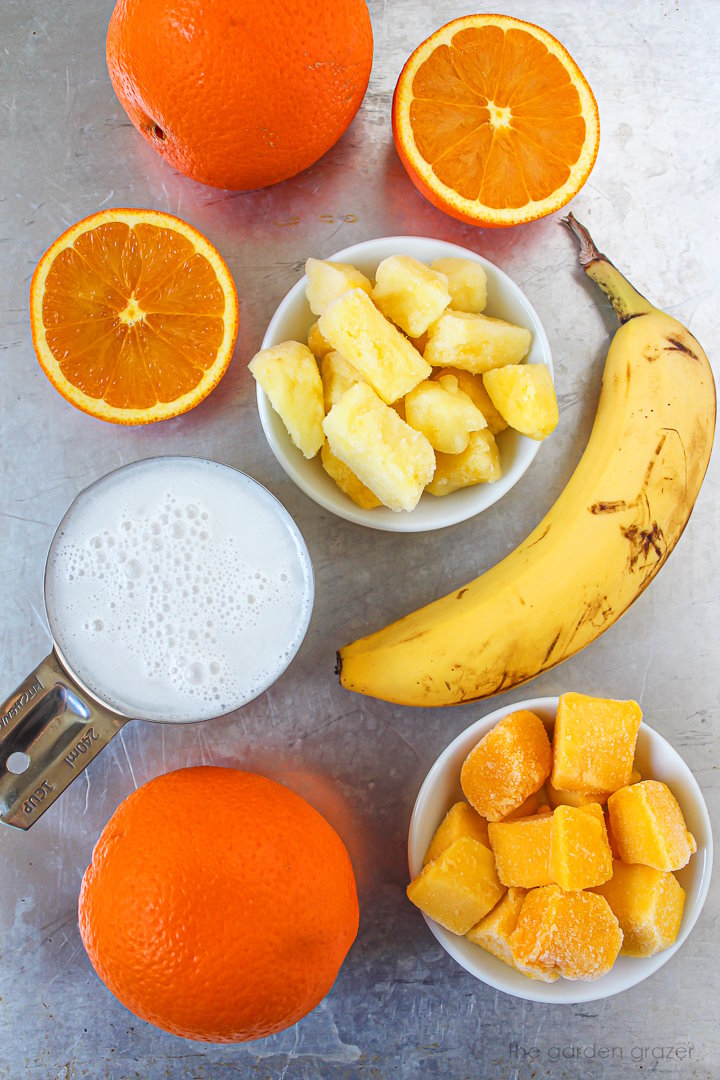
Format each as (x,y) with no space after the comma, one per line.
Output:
(656,760)
(293,319)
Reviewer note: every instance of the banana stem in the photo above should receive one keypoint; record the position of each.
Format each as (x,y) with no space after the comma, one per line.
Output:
(623,296)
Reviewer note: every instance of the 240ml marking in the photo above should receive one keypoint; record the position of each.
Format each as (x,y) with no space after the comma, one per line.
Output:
(83,746)
(532,1055)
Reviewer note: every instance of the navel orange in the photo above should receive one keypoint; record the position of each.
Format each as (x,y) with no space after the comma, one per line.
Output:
(240,94)
(134,316)
(494,121)
(219,905)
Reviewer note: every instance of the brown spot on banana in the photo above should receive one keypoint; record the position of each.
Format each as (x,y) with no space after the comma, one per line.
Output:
(608,507)
(679,346)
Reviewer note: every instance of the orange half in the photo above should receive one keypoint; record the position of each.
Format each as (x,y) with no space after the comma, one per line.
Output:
(134,316)
(494,121)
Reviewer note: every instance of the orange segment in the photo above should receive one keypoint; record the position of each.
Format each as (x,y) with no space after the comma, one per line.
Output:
(134,316)
(494,121)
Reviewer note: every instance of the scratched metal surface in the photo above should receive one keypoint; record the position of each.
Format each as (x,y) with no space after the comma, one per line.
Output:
(400,1007)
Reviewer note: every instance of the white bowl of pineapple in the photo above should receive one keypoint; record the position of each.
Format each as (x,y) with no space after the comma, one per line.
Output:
(405,383)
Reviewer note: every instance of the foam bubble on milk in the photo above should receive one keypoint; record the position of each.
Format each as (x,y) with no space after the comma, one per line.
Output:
(177,589)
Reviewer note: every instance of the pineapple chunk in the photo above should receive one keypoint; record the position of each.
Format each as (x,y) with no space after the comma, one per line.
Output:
(338,375)
(386,455)
(443,413)
(326,281)
(478,464)
(525,396)
(410,293)
(355,327)
(473,386)
(346,479)
(289,376)
(475,343)
(317,343)
(467,282)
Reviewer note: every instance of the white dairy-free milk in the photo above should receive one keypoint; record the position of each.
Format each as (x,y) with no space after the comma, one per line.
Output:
(177,589)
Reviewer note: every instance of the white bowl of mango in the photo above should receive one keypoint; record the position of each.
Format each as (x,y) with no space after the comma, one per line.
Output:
(405,383)
(542,889)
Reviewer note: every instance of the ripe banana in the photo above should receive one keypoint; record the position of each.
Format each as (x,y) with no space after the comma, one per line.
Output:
(597,549)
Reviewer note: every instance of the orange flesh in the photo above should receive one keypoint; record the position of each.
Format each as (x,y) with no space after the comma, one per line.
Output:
(133,315)
(497,117)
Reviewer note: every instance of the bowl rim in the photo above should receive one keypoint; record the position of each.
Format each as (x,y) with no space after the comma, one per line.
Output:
(560,992)
(400,522)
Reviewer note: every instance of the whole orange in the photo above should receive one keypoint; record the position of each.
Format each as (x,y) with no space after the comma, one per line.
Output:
(219,905)
(240,93)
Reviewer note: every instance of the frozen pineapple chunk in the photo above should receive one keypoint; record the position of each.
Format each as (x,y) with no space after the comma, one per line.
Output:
(648,826)
(467,282)
(509,763)
(410,293)
(580,854)
(289,376)
(338,375)
(524,394)
(522,850)
(355,327)
(647,903)
(460,820)
(458,887)
(443,413)
(473,386)
(475,343)
(479,463)
(317,343)
(388,456)
(346,480)
(326,281)
(594,743)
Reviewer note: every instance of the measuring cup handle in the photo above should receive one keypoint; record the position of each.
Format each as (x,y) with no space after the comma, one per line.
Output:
(56,729)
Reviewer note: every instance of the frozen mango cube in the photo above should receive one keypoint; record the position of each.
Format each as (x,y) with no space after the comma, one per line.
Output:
(594,743)
(392,459)
(509,763)
(559,797)
(410,293)
(346,480)
(458,887)
(647,903)
(526,809)
(473,386)
(479,463)
(580,854)
(648,826)
(467,282)
(317,343)
(525,396)
(338,375)
(522,850)
(326,281)
(443,413)
(460,820)
(289,376)
(475,343)
(493,931)
(569,933)
(355,327)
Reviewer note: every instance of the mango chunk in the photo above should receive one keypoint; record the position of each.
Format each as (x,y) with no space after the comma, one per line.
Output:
(289,376)
(594,743)
(475,343)
(522,850)
(410,293)
(467,283)
(458,887)
(317,343)
(346,479)
(338,375)
(354,327)
(647,903)
(559,797)
(648,826)
(509,763)
(473,386)
(478,463)
(580,855)
(390,458)
(525,396)
(493,932)
(460,820)
(526,809)
(443,413)
(574,934)
(326,281)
